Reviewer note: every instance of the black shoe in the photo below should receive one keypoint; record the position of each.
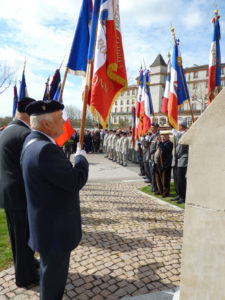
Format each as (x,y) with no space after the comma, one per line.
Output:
(147,181)
(34,280)
(175,199)
(180,201)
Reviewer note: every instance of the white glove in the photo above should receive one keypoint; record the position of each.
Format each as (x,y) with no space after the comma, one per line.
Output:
(80,152)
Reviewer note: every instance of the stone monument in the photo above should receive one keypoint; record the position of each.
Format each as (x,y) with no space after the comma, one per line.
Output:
(203,252)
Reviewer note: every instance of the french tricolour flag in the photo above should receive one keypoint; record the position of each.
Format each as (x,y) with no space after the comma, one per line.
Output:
(178,87)
(138,104)
(148,110)
(214,61)
(164,108)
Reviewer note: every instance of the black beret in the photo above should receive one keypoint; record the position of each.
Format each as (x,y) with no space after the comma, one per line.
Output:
(43,107)
(22,104)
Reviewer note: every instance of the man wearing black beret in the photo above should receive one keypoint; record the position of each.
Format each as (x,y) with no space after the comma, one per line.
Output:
(12,195)
(52,186)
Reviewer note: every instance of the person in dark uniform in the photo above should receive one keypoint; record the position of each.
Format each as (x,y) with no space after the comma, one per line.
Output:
(163,161)
(152,150)
(181,154)
(12,195)
(52,187)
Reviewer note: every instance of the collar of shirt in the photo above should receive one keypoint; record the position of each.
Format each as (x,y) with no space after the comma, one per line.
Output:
(22,122)
(50,138)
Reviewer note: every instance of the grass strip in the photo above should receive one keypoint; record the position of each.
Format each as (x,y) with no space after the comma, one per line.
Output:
(147,190)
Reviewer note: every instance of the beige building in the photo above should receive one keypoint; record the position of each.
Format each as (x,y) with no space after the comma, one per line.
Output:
(197,82)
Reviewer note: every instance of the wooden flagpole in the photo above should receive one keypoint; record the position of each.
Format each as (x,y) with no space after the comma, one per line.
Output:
(189,101)
(84,111)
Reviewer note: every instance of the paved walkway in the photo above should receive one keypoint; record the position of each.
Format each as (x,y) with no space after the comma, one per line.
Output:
(131,243)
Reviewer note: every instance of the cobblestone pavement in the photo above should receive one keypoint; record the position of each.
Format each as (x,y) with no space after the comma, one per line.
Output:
(131,246)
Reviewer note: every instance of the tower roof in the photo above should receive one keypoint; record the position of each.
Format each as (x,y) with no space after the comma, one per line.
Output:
(159,61)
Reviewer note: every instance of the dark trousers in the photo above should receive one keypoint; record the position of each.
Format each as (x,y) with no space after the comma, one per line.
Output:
(23,256)
(142,169)
(162,177)
(147,170)
(53,275)
(181,175)
(175,178)
(152,174)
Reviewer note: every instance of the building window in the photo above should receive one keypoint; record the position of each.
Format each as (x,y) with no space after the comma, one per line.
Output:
(207,73)
(115,120)
(189,121)
(115,109)
(121,102)
(128,102)
(194,86)
(115,103)
(222,71)
(133,101)
(128,109)
(194,106)
(133,92)
(128,93)
(195,74)
(121,109)
(194,98)
(206,84)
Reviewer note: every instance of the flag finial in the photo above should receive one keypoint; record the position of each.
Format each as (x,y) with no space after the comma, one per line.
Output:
(62,62)
(173,32)
(25,62)
(169,55)
(216,10)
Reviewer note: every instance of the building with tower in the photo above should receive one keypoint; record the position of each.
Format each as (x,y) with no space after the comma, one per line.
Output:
(197,83)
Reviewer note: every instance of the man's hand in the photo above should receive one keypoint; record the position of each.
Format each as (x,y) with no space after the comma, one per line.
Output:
(80,152)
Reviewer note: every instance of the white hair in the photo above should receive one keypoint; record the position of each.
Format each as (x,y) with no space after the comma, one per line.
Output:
(35,121)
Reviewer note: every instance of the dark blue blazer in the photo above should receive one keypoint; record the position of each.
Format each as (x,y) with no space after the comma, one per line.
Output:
(52,187)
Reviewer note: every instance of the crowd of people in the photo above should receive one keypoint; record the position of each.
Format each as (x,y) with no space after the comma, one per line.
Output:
(156,154)
(36,175)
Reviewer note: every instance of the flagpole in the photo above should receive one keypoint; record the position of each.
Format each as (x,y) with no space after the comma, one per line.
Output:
(63,85)
(84,111)
(189,101)
(219,88)
(150,98)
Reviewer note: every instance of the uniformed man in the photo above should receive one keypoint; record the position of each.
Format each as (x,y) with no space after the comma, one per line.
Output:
(163,160)
(125,149)
(181,162)
(130,146)
(152,150)
(118,147)
(52,187)
(13,197)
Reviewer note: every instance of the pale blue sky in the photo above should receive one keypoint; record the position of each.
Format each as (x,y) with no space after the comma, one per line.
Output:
(43,32)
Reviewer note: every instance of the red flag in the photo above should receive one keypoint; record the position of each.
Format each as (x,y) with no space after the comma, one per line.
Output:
(109,71)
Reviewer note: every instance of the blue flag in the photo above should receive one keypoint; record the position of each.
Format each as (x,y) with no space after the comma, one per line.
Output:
(77,62)
(23,88)
(15,100)
(54,84)
(94,23)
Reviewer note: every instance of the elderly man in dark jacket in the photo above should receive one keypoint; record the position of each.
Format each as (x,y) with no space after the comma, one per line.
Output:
(52,187)
(163,161)
(13,197)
